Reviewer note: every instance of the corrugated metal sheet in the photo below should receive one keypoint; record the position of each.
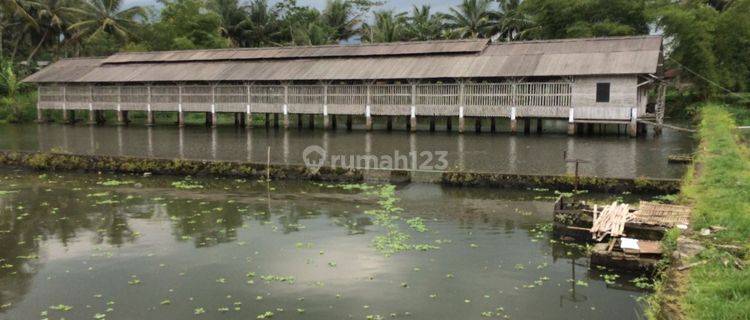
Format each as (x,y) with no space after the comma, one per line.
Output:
(66,70)
(329,51)
(601,56)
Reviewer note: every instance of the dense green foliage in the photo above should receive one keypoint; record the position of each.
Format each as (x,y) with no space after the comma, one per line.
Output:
(709,41)
(719,188)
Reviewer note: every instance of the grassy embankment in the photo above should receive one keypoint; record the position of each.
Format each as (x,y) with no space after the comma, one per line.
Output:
(718,188)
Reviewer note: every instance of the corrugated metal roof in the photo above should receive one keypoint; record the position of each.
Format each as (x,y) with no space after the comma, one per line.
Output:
(598,56)
(328,51)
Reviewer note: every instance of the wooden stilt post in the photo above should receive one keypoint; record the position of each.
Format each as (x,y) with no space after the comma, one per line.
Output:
(432,124)
(526,125)
(493,124)
(248,113)
(214,114)
(633,125)
(40,116)
(299,121)
(326,120)
(311,121)
(119,113)
(413,119)
(180,113)
(286,107)
(92,114)
(121,118)
(276,120)
(461,101)
(389,123)
(538,125)
(571,122)
(461,120)
(412,127)
(349,122)
(267,119)
(368,115)
(513,122)
(448,123)
(149,113)
(478,124)
(333,121)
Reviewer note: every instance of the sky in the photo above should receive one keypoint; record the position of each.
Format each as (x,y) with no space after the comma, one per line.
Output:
(397,5)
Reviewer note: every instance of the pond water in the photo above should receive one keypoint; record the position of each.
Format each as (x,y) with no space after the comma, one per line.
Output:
(607,156)
(83,246)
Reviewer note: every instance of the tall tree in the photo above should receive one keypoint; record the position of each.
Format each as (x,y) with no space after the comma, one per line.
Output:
(261,27)
(342,17)
(732,45)
(52,17)
(471,19)
(388,27)
(231,16)
(98,17)
(184,24)
(587,18)
(512,22)
(423,25)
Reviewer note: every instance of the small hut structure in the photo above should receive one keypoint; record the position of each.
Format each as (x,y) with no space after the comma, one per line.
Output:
(595,80)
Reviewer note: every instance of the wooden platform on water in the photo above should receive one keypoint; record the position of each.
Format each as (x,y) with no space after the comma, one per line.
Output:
(642,229)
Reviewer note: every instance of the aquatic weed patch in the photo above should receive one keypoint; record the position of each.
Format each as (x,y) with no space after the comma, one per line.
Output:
(387,216)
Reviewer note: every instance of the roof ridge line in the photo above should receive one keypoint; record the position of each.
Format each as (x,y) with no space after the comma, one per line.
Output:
(309,46)
(578,39)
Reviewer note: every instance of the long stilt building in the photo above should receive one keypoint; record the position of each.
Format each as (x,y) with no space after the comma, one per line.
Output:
(595,80)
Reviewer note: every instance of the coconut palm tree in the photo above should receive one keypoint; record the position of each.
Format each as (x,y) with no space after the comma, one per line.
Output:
(424,25)
(512,22)
(261,27)
(100,17)
(343,17)
(388,27)
(471,19)
(52,17)
(231,16)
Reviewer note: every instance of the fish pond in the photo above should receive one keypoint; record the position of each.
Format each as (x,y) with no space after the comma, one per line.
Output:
(87,246)
(538,154)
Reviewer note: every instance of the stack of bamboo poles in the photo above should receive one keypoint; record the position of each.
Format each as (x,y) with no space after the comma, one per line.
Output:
(610,221)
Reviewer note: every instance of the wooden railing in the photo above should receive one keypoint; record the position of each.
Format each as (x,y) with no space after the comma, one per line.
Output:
(551,99)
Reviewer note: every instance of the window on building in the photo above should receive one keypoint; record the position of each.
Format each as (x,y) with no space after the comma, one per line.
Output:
(602,92)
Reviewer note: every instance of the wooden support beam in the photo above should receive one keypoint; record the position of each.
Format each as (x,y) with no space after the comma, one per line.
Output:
(311,121)
(449,123)
(493,124)
(349,122)
(526,125)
